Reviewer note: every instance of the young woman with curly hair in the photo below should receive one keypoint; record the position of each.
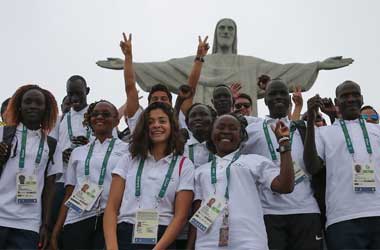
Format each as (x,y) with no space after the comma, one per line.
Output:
(90,165)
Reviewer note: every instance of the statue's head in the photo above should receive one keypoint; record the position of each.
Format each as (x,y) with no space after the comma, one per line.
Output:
(225,37)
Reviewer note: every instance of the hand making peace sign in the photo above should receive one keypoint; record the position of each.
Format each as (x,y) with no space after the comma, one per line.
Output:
(203,47)
(126,45)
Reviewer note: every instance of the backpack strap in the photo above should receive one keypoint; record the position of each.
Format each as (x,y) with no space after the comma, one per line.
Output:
(181,165)
(52,144)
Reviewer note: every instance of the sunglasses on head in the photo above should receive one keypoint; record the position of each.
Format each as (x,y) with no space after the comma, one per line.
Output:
(103,114)
(373,117)
(242,105)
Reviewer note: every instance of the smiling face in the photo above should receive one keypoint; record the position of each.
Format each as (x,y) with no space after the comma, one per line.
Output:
(226,134)
(277,99)
(103,119)
(159,126)
(199,121)
(243,106)
(77,94)
(349,100)
(33,106)
(226,31)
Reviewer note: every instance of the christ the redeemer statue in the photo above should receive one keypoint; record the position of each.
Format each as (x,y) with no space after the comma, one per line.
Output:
(225,66)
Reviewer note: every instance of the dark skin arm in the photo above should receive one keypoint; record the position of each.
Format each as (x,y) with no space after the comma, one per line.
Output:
(329,109)
(192,234)
(47,202)
(284,182)
(185,93)
(4,152)
(310,156)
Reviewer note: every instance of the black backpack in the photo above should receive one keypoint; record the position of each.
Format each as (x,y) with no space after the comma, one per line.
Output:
(8,135)
(318,180)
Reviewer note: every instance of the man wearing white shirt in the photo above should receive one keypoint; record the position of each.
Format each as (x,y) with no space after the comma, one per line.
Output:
(292,220)
(349,149)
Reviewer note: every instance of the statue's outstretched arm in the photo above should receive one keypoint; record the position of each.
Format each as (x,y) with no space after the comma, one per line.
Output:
(334,63)
(111,63)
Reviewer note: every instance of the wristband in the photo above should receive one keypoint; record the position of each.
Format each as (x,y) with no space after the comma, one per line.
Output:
(282,139)
(199,58)
(284,148)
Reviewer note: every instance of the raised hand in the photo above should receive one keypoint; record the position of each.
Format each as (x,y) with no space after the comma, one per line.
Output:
(328,107)
(262,82)
(235,89)
(280,130)
(203,47)
(126,45)
(335,63)
(313,105)
(297,97)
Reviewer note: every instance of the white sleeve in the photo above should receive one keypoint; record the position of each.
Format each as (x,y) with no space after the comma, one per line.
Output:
(186,178)
(71,173)
(55,166)
(132,121)
(182,120)
(121,168)
(266,172)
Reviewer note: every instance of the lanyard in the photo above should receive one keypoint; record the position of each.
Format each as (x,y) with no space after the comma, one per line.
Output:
(269,140)
(191,154)
(347,137)
(70,129)
(164,185)
(104,164)
(228,173)
(21,163)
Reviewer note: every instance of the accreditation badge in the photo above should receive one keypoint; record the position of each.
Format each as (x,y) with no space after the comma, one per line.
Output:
(84,198)
(299,174)
(26,188)
(363,177)
(145,229)
(208,213)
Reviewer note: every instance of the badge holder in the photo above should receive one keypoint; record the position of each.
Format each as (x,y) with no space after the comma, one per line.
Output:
(26,188)
(206,215)
(363,178)
(145,229)
(85,198)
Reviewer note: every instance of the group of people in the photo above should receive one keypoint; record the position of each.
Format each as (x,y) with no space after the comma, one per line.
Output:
(188,175)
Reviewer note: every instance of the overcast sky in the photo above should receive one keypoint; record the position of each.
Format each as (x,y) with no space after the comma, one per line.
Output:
(45,42)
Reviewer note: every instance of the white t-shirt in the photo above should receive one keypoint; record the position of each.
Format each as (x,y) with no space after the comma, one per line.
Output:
(201,153)
(23,216)
(132,121)
(246,222)
(152,178)
(342,202)
(301,200)
(75,173)
(64,139)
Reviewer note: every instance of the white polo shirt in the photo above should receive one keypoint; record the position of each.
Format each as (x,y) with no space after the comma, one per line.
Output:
(246,223)
(301,200)
(342,202)
(23,216)
(64,139)
(152,178)
(132,121)
(201,153)
(75,173)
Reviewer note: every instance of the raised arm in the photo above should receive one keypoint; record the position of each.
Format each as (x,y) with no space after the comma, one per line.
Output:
(129,76)
(284,182)
(298,103)
(311,159)
(195,73)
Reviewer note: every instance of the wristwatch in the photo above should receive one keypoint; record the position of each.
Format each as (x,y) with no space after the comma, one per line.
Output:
(284,148)
(198,58)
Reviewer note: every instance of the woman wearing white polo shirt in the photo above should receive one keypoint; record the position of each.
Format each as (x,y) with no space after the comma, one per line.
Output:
(152,189)
(89,168)
(27,176)
(227,189)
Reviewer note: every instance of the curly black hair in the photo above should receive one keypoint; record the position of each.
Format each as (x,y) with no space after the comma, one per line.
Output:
(91,107)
